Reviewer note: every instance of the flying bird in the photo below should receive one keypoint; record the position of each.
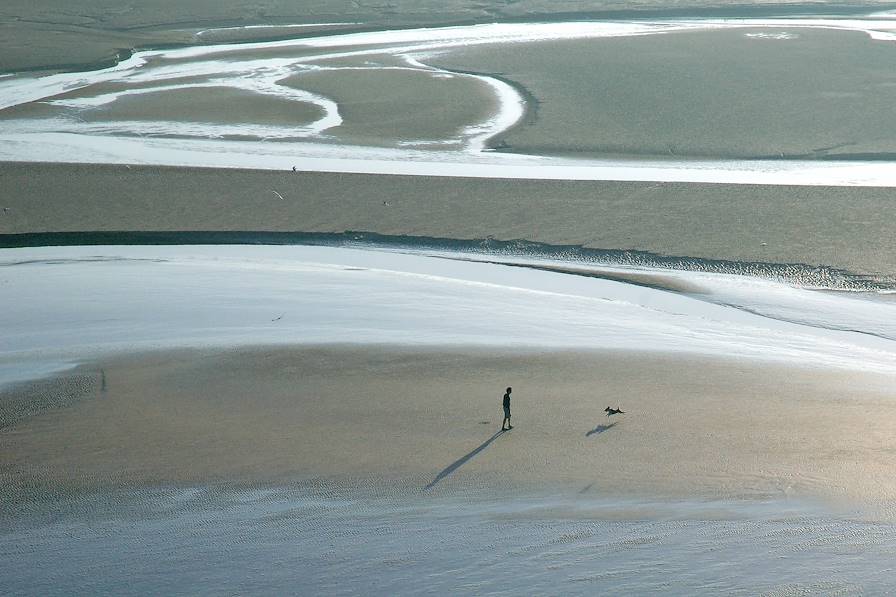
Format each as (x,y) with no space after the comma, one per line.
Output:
(278,194)
(613,411)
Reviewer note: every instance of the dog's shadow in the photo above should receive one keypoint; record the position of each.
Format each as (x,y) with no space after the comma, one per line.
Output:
(600,429)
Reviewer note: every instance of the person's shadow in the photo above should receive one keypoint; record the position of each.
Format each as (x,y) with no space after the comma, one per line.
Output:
(600,429)
(463,459)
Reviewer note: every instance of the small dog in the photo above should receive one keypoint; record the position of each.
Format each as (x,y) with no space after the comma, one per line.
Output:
(613,411)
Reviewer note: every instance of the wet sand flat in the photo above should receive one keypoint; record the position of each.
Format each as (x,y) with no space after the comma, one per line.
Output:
(207,104)
(395,107)
(738,93)
(844,227)
(427,420)
(53,34)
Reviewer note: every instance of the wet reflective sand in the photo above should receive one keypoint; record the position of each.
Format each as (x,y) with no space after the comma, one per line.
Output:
(424,420)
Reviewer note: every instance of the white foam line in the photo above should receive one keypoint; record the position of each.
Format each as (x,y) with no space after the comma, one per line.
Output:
(436,37)
(511,106)
(860,25)
(263,75)
(291,26)
(22,90)
(260,85)
(28,89)
(107,98)
(396,41)
(25,89)
(169,128)
(316,157)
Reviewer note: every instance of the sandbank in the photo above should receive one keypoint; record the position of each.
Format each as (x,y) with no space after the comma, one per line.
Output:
(714,93)
(427,420)
(850,228)
(395,107)
(218,104)
(52,35)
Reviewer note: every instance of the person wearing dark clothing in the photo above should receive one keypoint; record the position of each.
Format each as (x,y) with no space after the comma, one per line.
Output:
(506,405)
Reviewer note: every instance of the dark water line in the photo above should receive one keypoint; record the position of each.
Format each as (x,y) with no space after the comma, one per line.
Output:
(803,275)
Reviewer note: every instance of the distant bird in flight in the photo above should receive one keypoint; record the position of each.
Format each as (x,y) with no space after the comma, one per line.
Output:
(278,194)
(277,318)
(613,411)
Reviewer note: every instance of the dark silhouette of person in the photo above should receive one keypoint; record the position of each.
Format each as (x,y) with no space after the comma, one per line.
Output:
(506,405)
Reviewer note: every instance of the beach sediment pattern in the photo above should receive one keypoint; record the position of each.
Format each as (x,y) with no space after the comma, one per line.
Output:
(583,89)
(686,219)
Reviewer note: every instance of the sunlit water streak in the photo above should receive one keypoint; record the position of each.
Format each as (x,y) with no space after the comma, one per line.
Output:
(232,65)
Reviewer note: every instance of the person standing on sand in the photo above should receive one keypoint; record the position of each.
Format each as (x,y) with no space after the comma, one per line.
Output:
(506,404)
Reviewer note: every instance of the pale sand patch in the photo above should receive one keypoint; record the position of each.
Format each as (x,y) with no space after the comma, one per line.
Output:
(426,420)
(844,227)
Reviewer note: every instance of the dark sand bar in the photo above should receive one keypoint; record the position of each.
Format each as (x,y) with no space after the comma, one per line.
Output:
(740,93)
(844,227)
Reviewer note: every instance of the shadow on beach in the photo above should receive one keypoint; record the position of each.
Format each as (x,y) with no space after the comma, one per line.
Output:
(463,459)
(600,429)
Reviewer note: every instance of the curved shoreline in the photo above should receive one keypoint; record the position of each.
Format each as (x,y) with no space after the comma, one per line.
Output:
(57,138)
(482,250)
(374,22)
(529,104)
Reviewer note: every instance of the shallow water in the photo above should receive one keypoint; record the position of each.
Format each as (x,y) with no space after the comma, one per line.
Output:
(308,540)
(56,117)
